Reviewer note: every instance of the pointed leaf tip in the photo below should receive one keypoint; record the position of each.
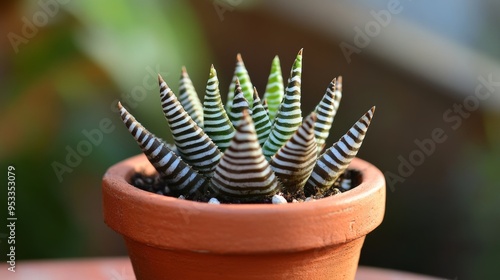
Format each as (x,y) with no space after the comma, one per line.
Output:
(160,79)
(213,72)
(338,84)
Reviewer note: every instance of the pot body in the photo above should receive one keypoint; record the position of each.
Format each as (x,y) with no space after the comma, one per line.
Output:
(333,262)
(169,238)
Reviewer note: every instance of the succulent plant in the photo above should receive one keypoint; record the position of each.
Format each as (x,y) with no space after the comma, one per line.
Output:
(250,150)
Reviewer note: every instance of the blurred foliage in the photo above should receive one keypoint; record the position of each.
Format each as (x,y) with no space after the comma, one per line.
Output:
(484,197)
(64,82)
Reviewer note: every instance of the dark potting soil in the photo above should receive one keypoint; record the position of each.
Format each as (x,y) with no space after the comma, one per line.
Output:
(350,179)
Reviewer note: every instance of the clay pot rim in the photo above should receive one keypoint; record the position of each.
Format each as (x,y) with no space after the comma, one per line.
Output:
(236,228)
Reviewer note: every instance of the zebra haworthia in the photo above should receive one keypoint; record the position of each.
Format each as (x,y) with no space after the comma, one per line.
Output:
(243,172)
(194,146)
(179,176)
(254,149)
(334,161)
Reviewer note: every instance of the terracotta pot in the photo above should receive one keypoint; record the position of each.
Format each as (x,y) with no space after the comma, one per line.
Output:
(169,238)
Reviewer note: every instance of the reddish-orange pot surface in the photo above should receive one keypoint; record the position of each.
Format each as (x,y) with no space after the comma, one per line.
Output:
(169,238)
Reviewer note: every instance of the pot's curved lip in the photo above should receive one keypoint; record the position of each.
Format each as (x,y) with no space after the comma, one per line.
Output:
(173,223)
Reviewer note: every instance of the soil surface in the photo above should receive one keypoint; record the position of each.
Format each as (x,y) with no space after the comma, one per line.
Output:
(350,179)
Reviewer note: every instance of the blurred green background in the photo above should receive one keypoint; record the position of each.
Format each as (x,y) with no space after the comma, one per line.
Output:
(65,64)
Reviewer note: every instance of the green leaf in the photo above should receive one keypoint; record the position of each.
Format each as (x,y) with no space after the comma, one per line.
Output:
(217,124)
(274,89)
(289,116)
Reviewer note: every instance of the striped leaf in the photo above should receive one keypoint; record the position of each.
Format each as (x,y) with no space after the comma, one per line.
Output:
(194,146)
(179,176)
(189,98)
(294,162)
(240,104)
(326,111)
(336,159)
(217,124)
(274,89)
(240,73)
(243,172)
(289,116)
(260,119)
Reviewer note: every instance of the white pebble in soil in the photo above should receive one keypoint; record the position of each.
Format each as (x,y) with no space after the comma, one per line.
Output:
(278,199)
(213,200)
(310,199)
(346,184)
(182,197)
